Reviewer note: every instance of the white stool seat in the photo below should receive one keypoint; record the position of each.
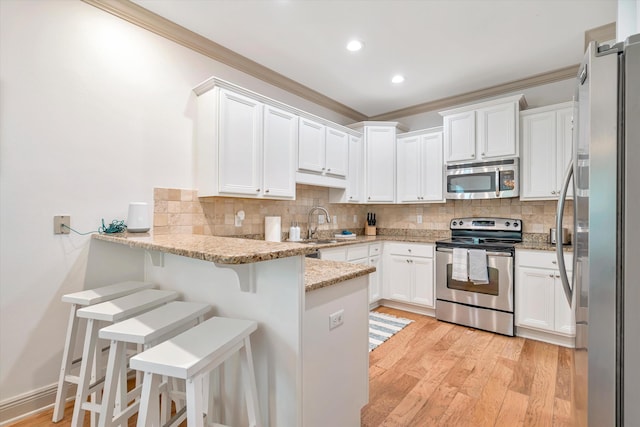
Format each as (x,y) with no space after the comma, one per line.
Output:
(145,329)
(108,311)
(192,355)
(105,293)
(82,299)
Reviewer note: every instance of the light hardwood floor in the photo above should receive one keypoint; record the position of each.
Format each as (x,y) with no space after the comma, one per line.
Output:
(434,373)
(437,374)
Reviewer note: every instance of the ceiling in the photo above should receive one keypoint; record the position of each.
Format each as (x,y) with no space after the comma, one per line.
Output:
(442,47)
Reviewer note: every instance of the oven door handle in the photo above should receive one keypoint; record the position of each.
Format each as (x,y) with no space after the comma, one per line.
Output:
(489,253)
(497,182)
(564,277)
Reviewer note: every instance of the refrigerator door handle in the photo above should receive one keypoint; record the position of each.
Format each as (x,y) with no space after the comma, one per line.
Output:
(568,291)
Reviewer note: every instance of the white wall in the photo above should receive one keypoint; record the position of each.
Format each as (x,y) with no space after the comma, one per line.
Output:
(94,113)
(628,22)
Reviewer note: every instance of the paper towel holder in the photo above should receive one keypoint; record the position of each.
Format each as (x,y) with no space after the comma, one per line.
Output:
(239,218)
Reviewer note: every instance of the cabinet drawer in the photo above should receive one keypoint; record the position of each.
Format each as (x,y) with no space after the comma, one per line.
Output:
(413,249)
(357,252)
(375,249)
(542,259)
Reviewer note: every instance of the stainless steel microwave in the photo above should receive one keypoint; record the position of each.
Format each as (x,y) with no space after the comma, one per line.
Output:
(493,179)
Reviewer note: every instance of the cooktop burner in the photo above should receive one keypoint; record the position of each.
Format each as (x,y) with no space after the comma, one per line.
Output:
(484,233)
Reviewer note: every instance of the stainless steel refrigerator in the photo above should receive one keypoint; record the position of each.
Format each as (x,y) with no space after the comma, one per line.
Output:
(606,243)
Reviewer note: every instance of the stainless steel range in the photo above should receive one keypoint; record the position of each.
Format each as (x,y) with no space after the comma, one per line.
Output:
(477,244)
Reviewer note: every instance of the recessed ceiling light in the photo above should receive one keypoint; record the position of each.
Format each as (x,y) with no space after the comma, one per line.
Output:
(355,45)
(398,78)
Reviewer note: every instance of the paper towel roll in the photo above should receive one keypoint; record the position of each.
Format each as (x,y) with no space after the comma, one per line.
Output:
(272,229)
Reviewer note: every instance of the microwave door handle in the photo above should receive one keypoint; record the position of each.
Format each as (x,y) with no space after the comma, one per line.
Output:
(568,291)
(497,183)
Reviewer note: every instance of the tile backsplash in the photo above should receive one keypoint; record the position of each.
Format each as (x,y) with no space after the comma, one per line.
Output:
(180,211)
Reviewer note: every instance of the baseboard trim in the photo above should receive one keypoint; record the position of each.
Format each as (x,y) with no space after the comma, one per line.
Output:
(407,307)
(548,337)
(31,403)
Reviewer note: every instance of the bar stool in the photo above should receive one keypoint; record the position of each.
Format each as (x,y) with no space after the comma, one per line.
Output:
(110,311)
(83,299)
(192,356)
(147,329)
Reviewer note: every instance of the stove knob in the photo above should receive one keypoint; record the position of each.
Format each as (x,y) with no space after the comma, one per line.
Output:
(515,224)
(455,223)
(461,222)
(507,223)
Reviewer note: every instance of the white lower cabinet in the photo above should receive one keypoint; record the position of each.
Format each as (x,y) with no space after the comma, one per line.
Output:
(364,254)
(540,301)
(409,273)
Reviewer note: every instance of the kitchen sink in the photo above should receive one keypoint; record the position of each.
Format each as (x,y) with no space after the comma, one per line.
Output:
(319,241)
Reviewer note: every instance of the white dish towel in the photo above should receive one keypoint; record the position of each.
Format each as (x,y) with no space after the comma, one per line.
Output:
(459,270)
(478,267)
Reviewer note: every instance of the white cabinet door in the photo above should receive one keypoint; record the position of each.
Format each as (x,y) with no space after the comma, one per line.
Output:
(564,140)
(381,158)
(565,320)
(399,274)
(496,127)
(547,144)
(336,152)
(409,169)
(539,156)
(240,126)
(432,168)
(311,146)
(374,279)
(355,190)
(460,136)
(535,298)
(422,272)
(279,148)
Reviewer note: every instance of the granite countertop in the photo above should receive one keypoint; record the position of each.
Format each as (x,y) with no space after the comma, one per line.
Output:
(223,250)
(322,273)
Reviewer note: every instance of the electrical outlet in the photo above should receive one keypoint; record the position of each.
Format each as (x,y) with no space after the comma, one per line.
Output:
(336,319)
(355,219)
(419,219)
(335,220)
(320,219)
(61,224)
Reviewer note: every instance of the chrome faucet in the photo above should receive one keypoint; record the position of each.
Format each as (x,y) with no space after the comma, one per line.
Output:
(312,231)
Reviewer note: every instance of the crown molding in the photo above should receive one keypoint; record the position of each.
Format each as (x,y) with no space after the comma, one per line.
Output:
(600,34)
(482,94)
(148,20)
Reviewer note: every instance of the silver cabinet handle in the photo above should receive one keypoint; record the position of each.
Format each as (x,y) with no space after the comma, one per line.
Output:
(409,250)
(329,170)
(551,275)
(257,190)
(473,155)
(266,191)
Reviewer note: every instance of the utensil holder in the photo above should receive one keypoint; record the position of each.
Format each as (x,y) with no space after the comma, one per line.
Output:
(370,230)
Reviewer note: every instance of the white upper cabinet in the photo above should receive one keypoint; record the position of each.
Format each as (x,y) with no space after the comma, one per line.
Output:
(420,167)
(279,152)
(311,143)
(322,149)
(547,143)
(482,131)
(336,152)
(460,136)
(380,155)
(245,148)
(240,165)
(355,186)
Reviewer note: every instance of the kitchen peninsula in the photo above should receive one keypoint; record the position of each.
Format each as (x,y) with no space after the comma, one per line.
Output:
(307,373)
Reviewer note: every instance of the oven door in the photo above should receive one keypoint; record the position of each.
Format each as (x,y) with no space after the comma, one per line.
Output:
(497,294)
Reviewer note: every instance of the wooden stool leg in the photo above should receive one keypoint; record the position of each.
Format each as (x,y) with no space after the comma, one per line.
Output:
(149,413)
(67,355)
(194,402)
(251,389)
(88,352)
